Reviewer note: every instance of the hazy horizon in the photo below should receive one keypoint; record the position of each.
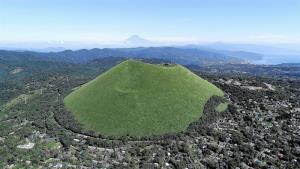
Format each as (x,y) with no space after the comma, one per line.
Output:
(265,27)
(104,21)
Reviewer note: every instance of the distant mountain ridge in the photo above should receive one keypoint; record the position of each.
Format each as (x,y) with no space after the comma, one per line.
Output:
(176,55)
(249,56)
(256,48)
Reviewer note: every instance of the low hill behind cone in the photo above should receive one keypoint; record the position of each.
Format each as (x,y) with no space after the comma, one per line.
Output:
(140,99)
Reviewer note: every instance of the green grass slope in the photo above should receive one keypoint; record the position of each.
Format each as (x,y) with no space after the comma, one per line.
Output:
(140,99)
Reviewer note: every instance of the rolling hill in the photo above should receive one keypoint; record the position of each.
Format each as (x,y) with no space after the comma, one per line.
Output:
(141,99)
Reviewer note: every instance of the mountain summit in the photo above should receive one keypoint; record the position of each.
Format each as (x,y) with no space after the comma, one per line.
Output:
(137,40)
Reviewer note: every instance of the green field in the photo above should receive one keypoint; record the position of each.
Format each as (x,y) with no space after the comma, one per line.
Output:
(140,99)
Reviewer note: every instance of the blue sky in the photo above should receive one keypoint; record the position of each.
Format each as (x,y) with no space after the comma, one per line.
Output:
(275,21)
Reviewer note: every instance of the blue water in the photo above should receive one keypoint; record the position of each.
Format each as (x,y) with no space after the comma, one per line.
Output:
(272,60)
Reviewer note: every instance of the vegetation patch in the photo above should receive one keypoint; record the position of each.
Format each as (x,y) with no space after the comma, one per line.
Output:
(222,107)
(21,98)
(140,99)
